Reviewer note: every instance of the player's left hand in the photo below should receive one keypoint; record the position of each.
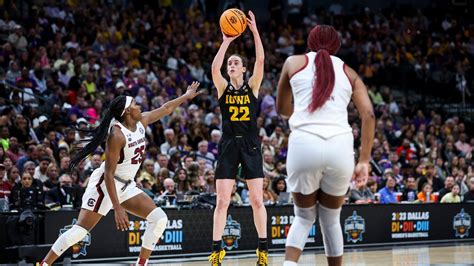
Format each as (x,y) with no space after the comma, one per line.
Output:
(192,91)
(361,170)
(252,24)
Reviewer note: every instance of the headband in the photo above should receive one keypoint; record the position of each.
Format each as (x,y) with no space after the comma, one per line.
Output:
(128,102)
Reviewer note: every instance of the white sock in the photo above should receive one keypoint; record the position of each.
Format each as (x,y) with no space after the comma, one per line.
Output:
(289,263)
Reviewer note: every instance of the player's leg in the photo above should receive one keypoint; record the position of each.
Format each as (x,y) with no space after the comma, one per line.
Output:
(143,206)
(252,171)
(259,218)
(86,221)
(226,171)
(224,192)
(329,210)
(305,215)
(334,185)
(304,166)
(95,204)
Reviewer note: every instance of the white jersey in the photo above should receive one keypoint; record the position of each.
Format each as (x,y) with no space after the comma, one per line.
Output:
(131,155)
(332,118)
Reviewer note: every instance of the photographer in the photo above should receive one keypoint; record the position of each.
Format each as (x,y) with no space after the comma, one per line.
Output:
(66,194)
(27,194)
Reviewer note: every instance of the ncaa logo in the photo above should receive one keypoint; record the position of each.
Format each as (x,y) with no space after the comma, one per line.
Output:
(354,227)
(78,248)
(462,224)
(231,234)
(141,130)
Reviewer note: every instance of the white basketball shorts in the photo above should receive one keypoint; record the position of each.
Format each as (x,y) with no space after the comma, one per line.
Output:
(96,198)
(314,162)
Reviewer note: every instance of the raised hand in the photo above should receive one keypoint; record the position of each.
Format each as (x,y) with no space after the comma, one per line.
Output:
(252,24)
(192,91)
(229,39)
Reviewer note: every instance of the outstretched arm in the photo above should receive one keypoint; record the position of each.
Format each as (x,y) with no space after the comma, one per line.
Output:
(170,106)
(256,80)
(219,81)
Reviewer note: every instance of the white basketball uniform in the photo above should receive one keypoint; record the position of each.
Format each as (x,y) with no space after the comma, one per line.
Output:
(96,197)
(320,148)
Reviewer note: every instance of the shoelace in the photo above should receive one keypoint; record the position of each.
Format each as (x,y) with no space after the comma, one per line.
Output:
(214,258)
(262,258)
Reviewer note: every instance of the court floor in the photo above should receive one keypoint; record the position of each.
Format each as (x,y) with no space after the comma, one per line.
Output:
(459,254)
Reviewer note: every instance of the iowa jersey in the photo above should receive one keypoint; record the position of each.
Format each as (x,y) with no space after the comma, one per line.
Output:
(239,111)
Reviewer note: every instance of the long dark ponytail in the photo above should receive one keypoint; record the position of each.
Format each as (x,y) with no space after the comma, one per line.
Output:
(99,134)
(324,40)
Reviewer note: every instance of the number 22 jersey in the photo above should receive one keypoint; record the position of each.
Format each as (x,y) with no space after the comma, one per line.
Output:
(239,111)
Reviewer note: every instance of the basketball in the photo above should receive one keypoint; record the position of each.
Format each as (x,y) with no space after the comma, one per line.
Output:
(233,22)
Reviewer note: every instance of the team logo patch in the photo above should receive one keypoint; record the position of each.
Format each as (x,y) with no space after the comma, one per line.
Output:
(354,227)
(91,202)
(462,224)
(141,130)
(231,234)
(129,136)
(80,247)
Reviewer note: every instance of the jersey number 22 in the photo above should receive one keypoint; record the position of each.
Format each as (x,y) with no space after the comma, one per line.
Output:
(236,110)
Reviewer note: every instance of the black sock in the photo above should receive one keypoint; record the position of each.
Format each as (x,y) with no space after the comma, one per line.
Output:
(216,245)
(262,244)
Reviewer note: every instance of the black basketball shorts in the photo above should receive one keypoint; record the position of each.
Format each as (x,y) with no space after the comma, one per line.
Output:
(237,151)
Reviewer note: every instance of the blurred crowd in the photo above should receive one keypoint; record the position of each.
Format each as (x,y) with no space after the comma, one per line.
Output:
(62,64)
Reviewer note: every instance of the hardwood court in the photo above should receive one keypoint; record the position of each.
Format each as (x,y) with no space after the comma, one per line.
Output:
(459,254)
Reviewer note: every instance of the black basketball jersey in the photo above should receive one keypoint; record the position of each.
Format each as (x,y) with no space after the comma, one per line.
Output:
(239,111)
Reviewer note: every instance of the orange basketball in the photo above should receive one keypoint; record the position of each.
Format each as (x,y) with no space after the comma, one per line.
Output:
(233,22)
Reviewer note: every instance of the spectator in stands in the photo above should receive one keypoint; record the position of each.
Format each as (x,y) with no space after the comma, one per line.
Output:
(269,197)
(469,196)
(13,176)
(372,185)
(210,181)
(31,155)
(388,193)
(361,194)
(5,186)
(269,168)
(64,165)
(426,193)
(279,185)
(148,172)
(453,196)
(182,180)
(448,185)
(52,173)
(169,194)
(147,186)
(203,153)
(66,194)
(40,170)
(410,192)
(26,195)
(169,141)
(213,144)
(431,178)
(92,164)
(235,197)
(162,163)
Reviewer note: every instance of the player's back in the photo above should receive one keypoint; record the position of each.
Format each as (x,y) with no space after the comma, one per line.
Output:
(332,118)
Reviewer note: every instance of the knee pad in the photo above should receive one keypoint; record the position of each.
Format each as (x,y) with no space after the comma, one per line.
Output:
(299,230)
(157,220)
(69,238)
(329,220)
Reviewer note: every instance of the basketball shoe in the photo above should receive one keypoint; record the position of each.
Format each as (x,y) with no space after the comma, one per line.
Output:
(216,257)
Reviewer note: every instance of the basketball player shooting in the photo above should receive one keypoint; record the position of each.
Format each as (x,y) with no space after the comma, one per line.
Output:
(240,144)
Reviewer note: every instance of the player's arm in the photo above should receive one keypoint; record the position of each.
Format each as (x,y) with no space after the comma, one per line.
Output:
(168,107)
(219,81)
(361,99)
(115,143)
(284,105)
(256,80)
